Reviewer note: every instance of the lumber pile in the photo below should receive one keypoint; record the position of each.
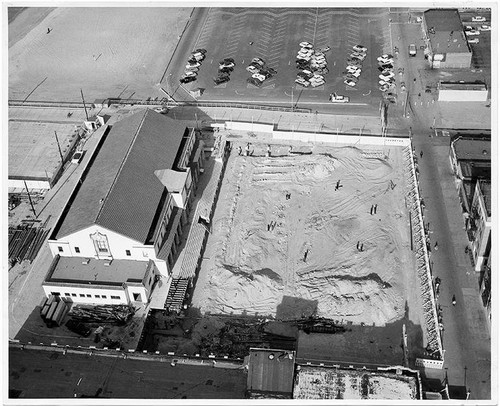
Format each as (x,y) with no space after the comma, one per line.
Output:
(114,314)
(24,242)
(53,310)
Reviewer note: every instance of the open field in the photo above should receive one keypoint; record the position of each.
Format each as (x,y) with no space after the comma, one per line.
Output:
(276,34)
(106,51)
(294,257)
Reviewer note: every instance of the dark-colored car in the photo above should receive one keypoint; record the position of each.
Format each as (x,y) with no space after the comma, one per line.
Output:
(225,70)
(78,328)
(254,81)
(187,79)
(221,79)
(202,50)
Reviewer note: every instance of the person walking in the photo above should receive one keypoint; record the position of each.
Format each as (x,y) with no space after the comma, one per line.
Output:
(421,154)
(436,246)
(453,300)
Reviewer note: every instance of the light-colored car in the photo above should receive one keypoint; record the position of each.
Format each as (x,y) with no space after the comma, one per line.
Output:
(468,28)
(316,82)
(383,82)
(198,56)
(77,157)
(193,65)
(226,65)
(189,73)
(337,98)
(360,48)
(485,27)
(472,32)
(161,110)
(305,44)
(473,41)
(350,82)
(386,75)
(325,49)
(192,69)
(258,60)
(356,74)
(252,69)
(355,55)
(302,82)
(478,19)
(259,77)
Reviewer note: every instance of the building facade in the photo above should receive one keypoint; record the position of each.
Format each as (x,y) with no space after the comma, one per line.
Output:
(130,207)
(479,224)
(445,39)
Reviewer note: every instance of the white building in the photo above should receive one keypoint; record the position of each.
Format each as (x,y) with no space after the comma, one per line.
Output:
(125,218)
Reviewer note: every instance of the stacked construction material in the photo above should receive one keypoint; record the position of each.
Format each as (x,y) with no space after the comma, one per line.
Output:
(192,67)
(260,72)
(24,242)
(226,66)
(312,65)
(113,314)
(53,310)
(354,65)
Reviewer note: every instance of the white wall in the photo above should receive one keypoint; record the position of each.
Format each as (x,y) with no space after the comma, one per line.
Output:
(235,125)
(340,139)
(118,244)
(463,95)
(32,184)
(90,290)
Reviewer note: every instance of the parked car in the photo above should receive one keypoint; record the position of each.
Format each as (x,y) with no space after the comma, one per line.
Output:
(161,110)
(412,50)
(187,79)
(223,65)
(258,61)
(325,49)
(77,157)
(468,28)
(360,48)
(336,98)
(302,82)
(193,65)
(316,83)
(478,19)
(473,41)
(202,50)
(198,56)
(350,82)
(259,77)
(221,79)
(305,44)
(472,32)
(351,77)
(225,70)
(254,81)
(78,328)
(485,27)
(193,69)
(403,86)
(361,57)
(189,73)
(252,69)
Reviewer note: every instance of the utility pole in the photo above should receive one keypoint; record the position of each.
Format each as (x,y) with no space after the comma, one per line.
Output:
(59,147)
(29,197)
(84,106)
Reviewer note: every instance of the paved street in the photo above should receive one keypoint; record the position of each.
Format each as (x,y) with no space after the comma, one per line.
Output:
(46,374)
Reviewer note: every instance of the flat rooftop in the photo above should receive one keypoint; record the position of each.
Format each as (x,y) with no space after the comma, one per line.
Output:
(33,151)
(271,371)
(118,271)
(462,86)
(472,149)
(447,35)
(335,383)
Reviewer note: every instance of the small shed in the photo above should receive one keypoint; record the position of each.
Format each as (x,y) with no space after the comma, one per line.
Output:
(94,122)
(198,92)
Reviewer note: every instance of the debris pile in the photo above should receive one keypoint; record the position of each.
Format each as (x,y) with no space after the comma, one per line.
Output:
(114,314)
(53,310)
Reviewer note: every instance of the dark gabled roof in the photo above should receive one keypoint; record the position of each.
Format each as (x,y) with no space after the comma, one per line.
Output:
(448,33)
(122,175)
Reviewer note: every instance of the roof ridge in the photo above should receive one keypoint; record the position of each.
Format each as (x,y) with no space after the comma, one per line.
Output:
(121,165)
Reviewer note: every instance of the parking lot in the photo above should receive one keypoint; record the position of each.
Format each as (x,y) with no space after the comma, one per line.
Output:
(274,35)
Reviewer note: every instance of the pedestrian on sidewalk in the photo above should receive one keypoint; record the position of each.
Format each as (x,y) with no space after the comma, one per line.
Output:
(375,209)
(453,300)
(436,246)
(305,255)
(357,246)
(239,150)
(371,210)
(421,154)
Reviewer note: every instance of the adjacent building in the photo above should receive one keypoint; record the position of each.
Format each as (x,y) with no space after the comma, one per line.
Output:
(479,224)
(446,42)
(122,227)
(462,91)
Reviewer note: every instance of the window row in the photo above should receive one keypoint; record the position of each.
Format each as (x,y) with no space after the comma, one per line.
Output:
(68,295)
(77,250)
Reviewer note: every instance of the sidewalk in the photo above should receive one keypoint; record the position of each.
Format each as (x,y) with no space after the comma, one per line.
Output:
(467,341)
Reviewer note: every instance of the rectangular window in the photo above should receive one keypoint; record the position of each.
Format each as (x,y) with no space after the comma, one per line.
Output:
(115,297)
(73,294)
(60,249)
(82,295)
(98,296)
(67,294)
(102,246)
(89,295)
(104,297)
(77,250)
(127,252)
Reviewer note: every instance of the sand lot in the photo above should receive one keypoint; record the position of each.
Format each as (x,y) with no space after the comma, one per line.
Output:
(106,51)
(248,269)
